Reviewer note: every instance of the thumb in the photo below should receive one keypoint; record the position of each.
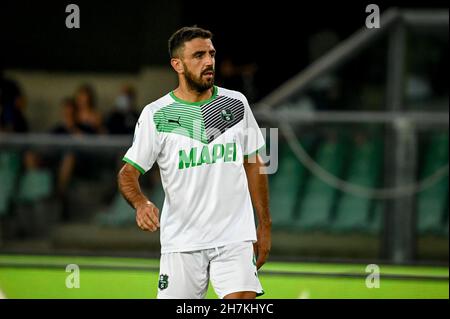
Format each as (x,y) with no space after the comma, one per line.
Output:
(156,210)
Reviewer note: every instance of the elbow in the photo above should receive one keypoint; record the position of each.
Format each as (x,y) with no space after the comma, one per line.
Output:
(127,174)
(121,175)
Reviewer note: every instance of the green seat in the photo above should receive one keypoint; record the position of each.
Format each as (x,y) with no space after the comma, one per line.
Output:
(316,206)
(7,179)
(120,213)
(376,218)
(353,213)
(432,206)
(35,185)
(285,185)
(446,223)
(9,171)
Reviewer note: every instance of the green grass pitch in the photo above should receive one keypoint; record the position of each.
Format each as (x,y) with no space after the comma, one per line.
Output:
(100,277)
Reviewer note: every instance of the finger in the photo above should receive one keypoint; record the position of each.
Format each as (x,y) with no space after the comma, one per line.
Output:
(256,252)
(261,259)
(260,262)
(154,216)
(255,249)
(149,224)
(139,224)
(144,224)
(151,219)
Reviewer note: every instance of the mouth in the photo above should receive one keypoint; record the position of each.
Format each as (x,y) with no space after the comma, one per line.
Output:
(208,73)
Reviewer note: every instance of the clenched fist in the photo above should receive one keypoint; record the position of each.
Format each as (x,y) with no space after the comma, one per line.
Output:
(147,216)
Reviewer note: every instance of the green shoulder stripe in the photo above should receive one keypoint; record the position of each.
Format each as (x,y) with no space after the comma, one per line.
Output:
(136,166)
(181,119)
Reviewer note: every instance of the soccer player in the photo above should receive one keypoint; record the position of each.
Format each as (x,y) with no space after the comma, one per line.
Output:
(205,140)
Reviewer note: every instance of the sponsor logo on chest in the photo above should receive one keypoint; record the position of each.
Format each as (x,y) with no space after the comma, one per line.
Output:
(208,154)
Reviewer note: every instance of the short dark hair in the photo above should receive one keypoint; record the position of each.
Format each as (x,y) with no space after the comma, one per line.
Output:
(186,34)
(89,90)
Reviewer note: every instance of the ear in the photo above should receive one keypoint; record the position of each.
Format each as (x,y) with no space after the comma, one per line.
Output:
(177,65)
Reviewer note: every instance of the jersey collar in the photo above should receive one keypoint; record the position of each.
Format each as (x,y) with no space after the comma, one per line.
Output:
(213,96)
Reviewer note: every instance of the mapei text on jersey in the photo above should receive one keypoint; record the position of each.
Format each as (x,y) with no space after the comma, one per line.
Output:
(207,155)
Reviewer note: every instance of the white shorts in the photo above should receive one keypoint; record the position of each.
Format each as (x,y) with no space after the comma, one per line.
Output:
(231,268)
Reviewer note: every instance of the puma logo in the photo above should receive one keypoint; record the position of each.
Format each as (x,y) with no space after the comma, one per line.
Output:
(175,121)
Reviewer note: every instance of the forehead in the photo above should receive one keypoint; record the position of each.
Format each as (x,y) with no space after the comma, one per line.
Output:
(198,44)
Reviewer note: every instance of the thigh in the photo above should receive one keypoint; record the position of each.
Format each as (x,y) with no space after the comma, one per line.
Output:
(183,275)
(233,270)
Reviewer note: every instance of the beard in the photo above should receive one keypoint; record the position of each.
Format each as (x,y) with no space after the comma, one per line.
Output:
(197,83)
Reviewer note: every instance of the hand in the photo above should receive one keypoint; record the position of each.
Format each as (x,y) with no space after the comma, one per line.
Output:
(263,245)
(147,216)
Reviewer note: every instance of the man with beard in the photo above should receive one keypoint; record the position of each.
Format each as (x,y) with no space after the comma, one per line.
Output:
(205,140)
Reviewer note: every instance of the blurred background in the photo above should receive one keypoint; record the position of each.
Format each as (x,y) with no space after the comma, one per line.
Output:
(362,119)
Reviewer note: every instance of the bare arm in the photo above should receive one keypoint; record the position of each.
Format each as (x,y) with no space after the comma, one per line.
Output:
(259,192)
(147,214)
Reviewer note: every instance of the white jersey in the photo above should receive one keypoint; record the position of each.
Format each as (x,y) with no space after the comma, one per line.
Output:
(200,148)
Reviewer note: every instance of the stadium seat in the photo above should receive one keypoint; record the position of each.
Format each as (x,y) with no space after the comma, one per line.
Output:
(7,181)
(315,208)
(9,171)
(35,185)
(446,222)
(432,203)
(376,218)
(35,213)
(36,218)
(353,213)
(285,185)
(120,213)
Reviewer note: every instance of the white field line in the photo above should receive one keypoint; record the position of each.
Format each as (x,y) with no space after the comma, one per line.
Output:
(304,295)
(2,295)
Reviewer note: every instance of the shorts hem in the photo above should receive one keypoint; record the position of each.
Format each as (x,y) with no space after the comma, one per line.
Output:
(259,292)
(205,247)
(171,297)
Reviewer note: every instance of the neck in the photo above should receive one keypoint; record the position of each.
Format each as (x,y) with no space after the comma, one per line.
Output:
(184,92)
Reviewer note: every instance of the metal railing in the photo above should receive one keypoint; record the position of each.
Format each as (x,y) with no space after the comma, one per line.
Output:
(350,47)
(401,139)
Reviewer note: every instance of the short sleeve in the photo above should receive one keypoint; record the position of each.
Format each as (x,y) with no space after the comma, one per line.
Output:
(253,138)
(146,145)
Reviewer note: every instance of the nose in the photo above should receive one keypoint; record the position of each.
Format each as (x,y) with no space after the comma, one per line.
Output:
(209,61)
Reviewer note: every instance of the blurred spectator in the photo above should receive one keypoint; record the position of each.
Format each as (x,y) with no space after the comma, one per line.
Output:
(69,120)
(88,116)
(12,106)
(65,163)
(68,125)
(123,118)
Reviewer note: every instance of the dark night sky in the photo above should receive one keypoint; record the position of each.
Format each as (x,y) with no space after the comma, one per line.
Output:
(124,35)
